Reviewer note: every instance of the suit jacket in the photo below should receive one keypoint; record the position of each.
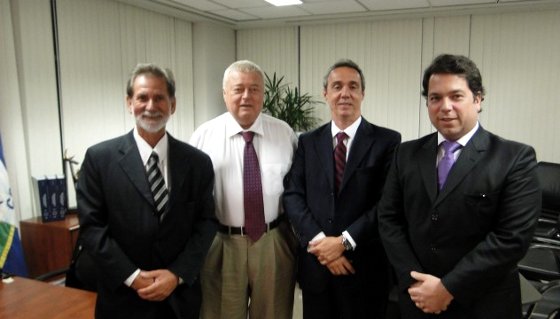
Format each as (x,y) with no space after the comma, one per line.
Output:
(472,233)
(313,206)
(121,231)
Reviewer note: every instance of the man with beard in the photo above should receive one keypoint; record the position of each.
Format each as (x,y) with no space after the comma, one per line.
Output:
(146,210)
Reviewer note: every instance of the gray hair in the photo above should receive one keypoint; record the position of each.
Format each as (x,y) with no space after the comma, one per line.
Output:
(153,70)
(244,66)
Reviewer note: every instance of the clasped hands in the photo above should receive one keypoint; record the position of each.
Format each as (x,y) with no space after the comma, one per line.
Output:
(329,251)
(155,285)
(429,294)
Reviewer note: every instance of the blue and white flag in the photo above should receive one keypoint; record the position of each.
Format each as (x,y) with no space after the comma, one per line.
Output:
(11,252)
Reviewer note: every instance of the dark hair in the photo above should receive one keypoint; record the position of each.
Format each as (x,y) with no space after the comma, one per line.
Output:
(455,64)
(154,70)
(341,64)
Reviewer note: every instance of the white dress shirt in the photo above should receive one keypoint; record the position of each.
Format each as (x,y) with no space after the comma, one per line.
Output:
(274,142)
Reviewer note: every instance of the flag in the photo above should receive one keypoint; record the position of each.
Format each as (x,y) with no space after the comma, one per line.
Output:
(11,252)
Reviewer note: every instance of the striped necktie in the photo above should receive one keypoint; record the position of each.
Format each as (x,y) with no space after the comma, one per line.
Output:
(157,185)
(339,159)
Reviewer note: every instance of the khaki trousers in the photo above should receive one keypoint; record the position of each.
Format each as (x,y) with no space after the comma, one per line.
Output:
(241,278)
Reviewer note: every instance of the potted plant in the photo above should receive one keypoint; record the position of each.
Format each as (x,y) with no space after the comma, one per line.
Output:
(288,104)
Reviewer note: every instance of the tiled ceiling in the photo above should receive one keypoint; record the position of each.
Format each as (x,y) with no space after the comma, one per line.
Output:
(239,12)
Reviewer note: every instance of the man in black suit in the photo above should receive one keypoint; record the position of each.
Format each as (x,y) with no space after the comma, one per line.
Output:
(147,241)
(343,270)
(455,242)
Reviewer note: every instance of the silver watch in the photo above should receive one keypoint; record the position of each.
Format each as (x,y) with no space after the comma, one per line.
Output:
(347,244)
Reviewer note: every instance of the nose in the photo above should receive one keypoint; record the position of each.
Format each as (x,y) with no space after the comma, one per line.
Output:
(345,91)
(447,104)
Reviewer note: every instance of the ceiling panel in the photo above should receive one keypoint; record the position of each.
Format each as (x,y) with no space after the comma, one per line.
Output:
(246,12)
(395,4)
(333,7)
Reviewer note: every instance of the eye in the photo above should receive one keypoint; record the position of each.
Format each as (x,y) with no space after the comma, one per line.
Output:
(141,98)
(433,99)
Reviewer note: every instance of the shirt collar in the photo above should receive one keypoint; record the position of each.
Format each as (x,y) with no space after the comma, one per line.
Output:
(350,130)
(233,128)
(146,150)
(464,139)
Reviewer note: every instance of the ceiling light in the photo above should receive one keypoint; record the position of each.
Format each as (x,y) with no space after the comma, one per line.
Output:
(280,3)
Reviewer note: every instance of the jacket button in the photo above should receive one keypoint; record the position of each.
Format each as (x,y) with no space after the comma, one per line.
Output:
(330,220)
(435,217)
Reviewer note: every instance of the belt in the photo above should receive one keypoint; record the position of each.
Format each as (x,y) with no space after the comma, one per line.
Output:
(231,230)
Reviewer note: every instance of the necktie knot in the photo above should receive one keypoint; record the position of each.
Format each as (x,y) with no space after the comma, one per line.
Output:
(154,158)
(248,136)
(340,137)
(450,147)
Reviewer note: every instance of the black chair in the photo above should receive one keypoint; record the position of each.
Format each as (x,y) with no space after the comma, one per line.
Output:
(81,273)
(548,228)
(541,264)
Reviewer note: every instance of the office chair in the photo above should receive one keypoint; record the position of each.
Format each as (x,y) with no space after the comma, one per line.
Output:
(541,264)
(548,227)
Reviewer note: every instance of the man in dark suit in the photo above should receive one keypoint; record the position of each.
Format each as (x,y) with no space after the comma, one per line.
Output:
(148,234)
(331,195)
(455,241)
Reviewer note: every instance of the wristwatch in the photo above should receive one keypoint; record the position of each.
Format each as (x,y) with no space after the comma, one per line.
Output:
(347,244)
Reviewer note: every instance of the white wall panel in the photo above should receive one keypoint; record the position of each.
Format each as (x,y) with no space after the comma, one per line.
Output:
(518,54)
(273,49)
(100,43)
(38,128)
(389,53)
(11,119)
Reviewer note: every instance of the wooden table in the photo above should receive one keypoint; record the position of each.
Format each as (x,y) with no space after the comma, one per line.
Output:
(29,299)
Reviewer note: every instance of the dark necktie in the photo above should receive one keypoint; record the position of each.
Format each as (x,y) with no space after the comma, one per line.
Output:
(157,185)
(252,190)
(446,161)
(339,159)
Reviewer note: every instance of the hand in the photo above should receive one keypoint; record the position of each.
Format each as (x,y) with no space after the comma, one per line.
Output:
(141,282)
(341,266)
(326,249)
(163,282)
(429,294)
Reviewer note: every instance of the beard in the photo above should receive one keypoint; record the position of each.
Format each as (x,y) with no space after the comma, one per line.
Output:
(152,122)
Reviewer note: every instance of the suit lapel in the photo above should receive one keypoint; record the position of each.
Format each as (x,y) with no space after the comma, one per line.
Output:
(131,163)
(178,165)
(469,157)
(362,143)
(324,149)
(427,166)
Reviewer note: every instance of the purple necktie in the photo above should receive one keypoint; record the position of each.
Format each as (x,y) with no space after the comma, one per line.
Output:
(446,161)
(252,190)
(339,159)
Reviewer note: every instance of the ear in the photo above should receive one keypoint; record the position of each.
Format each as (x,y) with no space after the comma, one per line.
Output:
(129,104)
(173,105)
(478,102)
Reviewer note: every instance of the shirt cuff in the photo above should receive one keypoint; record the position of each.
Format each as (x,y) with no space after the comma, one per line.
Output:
(346,235)
(318,237)
(131,278)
